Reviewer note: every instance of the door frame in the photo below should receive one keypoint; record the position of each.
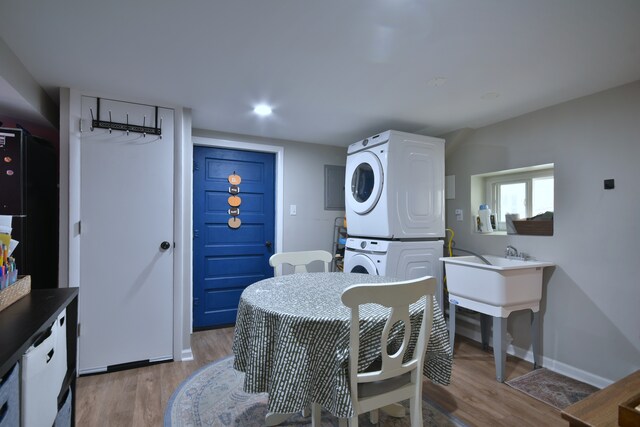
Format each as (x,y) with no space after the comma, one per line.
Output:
(188,199)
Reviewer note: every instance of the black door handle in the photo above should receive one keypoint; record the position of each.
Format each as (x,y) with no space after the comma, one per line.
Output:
(165,245)
(267,244)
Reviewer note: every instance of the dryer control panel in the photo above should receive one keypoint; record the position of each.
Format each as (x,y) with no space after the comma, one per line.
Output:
(372,141)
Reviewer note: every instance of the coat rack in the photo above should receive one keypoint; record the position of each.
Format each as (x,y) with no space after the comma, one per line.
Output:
(111,125)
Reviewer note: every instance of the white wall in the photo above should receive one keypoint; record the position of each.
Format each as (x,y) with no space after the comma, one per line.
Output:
(591,301)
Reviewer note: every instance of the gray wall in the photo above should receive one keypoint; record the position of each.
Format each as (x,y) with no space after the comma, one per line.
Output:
(312,226)
(591,300)
(21,94)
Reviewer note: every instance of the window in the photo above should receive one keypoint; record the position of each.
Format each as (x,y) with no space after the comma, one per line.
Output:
(527,192)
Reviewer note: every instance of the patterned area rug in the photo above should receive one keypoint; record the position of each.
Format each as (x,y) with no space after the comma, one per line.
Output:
(552,388)
(213,396)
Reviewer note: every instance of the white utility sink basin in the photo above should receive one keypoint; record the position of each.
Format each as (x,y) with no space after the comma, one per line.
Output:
(507,285)
(495,290)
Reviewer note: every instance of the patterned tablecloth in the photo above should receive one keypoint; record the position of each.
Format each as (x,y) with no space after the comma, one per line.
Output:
(292,340)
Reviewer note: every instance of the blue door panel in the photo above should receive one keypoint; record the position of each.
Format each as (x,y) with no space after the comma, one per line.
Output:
(231,282)
(222,234)
(233,266)
(252,173)
(224,299)
(222,316)
(252,204)
(216,203)
(226,260)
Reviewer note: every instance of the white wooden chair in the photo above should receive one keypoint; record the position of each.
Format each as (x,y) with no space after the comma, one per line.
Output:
(298,260)
(394,381)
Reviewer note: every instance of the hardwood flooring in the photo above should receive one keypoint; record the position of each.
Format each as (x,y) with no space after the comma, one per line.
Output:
(138,397)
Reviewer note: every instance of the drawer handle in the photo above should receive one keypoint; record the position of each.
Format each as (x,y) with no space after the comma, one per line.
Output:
(50,355)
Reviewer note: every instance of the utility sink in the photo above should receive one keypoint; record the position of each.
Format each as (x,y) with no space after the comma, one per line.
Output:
(506,284)
(495,290)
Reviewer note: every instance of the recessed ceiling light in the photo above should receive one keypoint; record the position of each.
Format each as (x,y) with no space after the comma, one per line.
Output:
(437,81)
(490,95)
(262,110)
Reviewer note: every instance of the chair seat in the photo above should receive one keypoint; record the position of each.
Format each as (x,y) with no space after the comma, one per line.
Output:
(379,387)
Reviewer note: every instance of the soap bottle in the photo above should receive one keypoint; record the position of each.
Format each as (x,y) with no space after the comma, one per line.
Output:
(485,219)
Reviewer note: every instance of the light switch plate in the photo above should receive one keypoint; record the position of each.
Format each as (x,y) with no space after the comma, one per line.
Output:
(292,209)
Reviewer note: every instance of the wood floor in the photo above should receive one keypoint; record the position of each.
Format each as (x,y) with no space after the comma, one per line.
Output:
(138,397)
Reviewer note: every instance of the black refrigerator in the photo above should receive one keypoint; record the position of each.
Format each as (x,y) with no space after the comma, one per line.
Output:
(29,193)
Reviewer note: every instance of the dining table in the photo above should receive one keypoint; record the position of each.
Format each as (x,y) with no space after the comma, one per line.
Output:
(292,340)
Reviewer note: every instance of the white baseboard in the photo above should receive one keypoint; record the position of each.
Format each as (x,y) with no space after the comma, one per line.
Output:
(468,327)
(186,355)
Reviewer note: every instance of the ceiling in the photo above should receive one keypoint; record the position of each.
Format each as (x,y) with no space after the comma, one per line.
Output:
(335,71)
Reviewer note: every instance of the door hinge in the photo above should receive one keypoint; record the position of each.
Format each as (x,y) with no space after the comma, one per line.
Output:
(79,329)
(195,166)
(79,227)
(196,302)
(195,233)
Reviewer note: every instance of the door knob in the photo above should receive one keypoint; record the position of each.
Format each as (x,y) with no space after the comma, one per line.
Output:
(165,245)
(267,244)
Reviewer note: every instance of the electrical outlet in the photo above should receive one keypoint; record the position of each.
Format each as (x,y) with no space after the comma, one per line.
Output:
(459,215)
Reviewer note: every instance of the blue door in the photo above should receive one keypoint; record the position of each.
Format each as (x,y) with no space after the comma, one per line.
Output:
(226,259)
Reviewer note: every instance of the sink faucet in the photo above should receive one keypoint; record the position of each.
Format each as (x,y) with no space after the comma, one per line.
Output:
(510,252)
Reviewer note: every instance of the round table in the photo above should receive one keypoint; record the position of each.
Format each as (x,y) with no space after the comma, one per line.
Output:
(292,340)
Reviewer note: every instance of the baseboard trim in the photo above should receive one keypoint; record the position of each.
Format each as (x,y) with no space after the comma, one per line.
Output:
(186,355)
(468,330)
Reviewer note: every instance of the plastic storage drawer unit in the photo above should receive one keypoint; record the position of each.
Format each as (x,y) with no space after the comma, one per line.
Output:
(10,398)
(43,369)
(63,419)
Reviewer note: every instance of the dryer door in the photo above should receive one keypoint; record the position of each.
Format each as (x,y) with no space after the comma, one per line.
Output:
(360,264)
(364,181)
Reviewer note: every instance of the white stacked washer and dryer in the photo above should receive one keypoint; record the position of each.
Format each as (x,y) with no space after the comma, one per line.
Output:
(394,185)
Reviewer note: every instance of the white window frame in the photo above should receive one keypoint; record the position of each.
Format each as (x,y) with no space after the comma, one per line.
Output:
(493,182)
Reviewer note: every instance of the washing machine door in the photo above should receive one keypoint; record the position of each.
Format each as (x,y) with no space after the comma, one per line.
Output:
(361,264)
(366,176)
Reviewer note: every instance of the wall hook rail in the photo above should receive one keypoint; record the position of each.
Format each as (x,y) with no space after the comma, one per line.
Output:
(111,125)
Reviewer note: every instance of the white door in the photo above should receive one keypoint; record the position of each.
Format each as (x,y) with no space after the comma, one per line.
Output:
(126,213)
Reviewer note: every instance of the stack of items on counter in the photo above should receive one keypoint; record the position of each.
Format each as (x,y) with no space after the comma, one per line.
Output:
(8,270)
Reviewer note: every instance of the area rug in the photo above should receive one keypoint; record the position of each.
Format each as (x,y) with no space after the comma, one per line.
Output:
(213,396)
(552,388)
